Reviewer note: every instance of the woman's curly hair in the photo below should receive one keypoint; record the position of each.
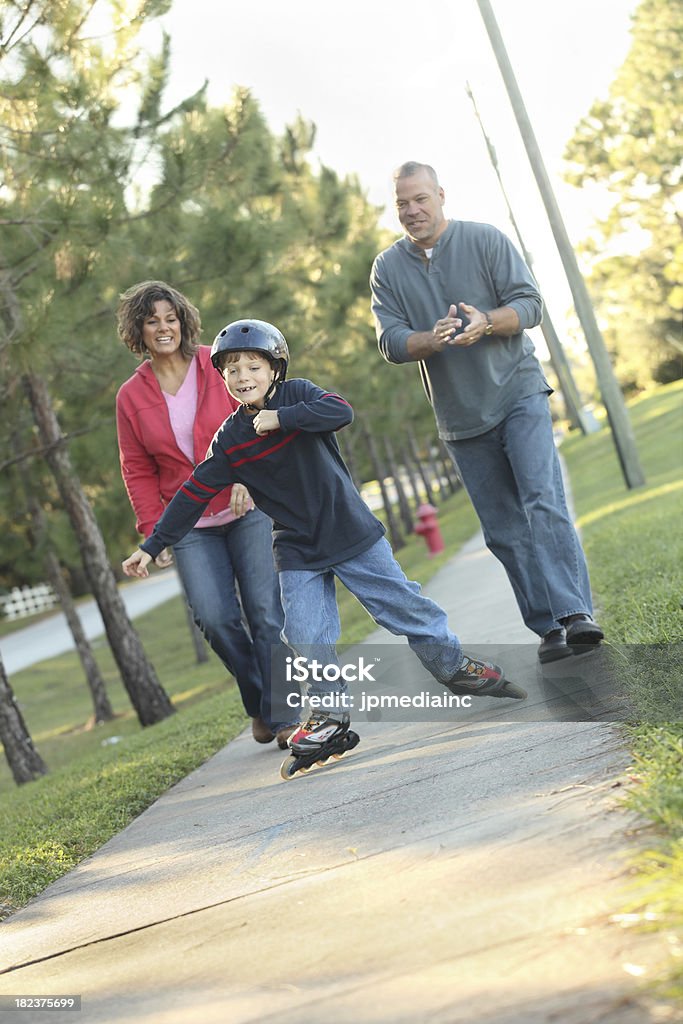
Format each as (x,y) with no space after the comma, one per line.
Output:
(137,304)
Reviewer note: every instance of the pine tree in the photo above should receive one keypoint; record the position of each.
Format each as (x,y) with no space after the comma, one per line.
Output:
(632,143)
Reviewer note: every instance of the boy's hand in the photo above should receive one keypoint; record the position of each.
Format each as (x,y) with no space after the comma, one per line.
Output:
(266,421)
(240,500)
(136,564)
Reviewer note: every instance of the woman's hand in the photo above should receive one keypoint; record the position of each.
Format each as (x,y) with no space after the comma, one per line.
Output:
(240,500)
(164,558)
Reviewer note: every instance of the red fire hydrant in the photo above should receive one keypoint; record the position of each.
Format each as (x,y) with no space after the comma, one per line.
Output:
(429,528)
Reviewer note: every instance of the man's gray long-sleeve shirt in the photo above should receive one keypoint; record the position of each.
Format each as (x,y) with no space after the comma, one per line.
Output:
(471,388)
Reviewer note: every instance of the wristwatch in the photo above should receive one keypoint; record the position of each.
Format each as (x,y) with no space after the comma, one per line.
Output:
(489,324)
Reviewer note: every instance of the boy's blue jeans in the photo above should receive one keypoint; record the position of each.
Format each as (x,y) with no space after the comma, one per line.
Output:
(512,475)
(213,562)
(312,618)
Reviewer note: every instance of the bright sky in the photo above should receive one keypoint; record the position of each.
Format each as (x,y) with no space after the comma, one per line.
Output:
(384,81)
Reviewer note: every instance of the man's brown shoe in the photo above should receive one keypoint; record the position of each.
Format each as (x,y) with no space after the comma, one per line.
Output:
(260,731)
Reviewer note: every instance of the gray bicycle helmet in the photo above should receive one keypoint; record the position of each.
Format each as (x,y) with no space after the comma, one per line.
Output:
(252,336)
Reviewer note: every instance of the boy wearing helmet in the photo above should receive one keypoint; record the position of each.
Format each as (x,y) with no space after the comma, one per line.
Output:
(281,445)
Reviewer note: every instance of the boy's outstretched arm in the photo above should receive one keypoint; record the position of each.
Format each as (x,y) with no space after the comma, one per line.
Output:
(186,507)
(136,564)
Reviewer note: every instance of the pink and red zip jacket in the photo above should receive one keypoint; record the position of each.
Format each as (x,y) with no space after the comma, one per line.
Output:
(152,465)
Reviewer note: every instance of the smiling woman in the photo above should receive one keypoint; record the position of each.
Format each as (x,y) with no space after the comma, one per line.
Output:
(161,336)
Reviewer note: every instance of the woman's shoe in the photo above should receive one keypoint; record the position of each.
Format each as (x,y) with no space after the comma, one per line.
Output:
(283,735)
(260,731)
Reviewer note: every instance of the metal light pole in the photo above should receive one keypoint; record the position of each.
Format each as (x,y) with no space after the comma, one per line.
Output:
(622,431)
(572,399)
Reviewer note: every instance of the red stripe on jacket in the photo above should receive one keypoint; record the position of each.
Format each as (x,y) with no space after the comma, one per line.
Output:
(268,451)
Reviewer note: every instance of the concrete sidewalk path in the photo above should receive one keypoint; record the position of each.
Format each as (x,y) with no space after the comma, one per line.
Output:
(464,868)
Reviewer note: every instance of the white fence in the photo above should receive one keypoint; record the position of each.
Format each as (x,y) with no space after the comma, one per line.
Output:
(23,601)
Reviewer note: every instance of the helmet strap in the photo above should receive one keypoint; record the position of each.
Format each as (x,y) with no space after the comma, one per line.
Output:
(276,380)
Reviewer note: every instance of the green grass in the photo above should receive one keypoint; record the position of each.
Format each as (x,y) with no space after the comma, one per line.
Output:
(634,545)
(631,537)
(101,777)
(62,818)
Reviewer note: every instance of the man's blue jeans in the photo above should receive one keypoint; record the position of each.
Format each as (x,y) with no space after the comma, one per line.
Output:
(213,562)
(512,475)
(312,618)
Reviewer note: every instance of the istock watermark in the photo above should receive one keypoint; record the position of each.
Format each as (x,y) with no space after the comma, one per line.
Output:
(363,701)
(301,670)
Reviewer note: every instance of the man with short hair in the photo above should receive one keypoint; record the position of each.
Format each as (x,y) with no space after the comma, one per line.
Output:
(457,297)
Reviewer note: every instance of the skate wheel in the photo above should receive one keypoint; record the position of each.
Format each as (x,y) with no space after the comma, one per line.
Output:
(337,757)
(288,769)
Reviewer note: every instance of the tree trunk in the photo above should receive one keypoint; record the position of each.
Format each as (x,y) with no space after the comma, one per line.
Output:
(403,503)
(147,696)
(412,480)
(102,708)
(445,473)
(453,478)
(103,711)
(420,468)
(433,469)
(348,455)
(397,541)
(198,642)
(24,760)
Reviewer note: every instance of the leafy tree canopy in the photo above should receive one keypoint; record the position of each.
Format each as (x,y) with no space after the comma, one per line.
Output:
(632,143)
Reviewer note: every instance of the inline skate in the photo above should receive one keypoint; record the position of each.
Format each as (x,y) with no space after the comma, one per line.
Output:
(483,679)
(322,738)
